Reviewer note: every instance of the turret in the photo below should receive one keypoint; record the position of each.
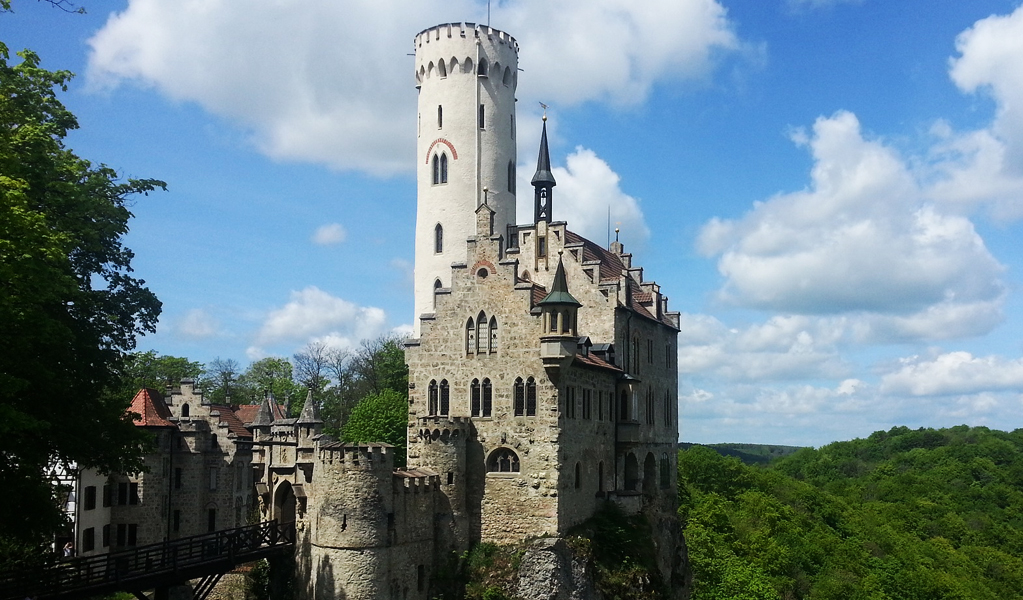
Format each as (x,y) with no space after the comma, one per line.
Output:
(543,181)
(559,312)
(466,75)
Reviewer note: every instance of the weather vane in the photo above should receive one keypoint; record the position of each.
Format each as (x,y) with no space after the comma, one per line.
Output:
(544,111)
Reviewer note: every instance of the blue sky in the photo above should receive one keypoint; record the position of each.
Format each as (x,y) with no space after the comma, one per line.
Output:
(830,191)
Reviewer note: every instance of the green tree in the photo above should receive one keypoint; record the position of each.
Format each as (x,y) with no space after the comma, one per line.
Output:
(380,418)
(268,375)
(219,380)
(151,370)
(69,306)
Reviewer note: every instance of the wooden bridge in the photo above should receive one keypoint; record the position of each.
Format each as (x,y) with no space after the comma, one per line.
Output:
(156,566)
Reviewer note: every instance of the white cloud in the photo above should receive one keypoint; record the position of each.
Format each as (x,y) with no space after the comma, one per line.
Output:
(313,314)
(985,167)
(330,82)
(198,324)
(331,234)
(783,348)
(955,373)
(860,240)
(586,189)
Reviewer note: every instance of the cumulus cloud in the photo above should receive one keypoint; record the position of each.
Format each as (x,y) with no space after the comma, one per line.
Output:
(861,240)
(783,348)
(954,373)
(330,82)
(587,188)
(331,234)
(314,315)
(985,167)
(198,324)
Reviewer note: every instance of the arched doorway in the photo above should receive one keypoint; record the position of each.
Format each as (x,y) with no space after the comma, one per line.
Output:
(284,503)
(650,474)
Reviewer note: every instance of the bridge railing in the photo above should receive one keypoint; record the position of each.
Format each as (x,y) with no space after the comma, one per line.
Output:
(227,547)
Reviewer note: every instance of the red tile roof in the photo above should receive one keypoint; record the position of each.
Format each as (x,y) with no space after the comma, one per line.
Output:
(539,293)
(229,417)
(592,360)
(246,413)
(151,409)
(611,266)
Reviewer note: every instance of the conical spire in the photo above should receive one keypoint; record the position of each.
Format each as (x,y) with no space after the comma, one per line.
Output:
(310,414)
(264,416)
(543,173)
(559,289)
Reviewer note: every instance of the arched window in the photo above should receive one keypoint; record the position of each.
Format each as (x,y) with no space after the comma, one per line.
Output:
(443,168)
(482,333)
(467,65)
(432,408)
(470,336)
(632,478)
(436,291)
(474,398)
(520,397)
(511,176)
(488,398)
(436,169)
(184,410)
(445,398)
(665,471)
(530,397)
(441,69)
(440,116)
(438,238)
(578,475)
(482,70)
(503,460)
(493,335)
(507,76)
(453,65)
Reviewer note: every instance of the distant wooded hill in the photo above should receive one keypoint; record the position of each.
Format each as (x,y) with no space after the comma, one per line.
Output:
(904,514)
(751,454)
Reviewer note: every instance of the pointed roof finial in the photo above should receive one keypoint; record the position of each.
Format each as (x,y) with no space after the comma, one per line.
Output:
(559,289)
(616,234)
(543,173)
(544,111)
(310,413)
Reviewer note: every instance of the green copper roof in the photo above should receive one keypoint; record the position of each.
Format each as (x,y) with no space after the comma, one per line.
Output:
(559,290)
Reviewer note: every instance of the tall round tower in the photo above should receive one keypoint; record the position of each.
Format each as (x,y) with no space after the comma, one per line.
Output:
(466,75)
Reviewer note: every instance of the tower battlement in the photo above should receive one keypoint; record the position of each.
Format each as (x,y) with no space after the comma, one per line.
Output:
(464,30)
(366,457)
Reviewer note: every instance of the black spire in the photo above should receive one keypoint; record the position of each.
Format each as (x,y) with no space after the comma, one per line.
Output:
(559,289)
(543,180)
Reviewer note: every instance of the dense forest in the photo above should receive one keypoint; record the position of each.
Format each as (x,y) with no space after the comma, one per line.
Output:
(902,515)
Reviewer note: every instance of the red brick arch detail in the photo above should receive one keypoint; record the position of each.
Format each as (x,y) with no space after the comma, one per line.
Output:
(483,263)
(454,153)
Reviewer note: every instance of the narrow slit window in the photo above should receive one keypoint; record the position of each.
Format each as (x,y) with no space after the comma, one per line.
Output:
(475,404)
(445,398)
(488,398)
(520,398)
(443,168)
(438,238)
(530,397)
(440,116)
(483,117)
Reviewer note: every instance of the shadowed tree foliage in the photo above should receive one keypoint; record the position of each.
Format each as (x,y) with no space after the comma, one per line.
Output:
(69,306)
(151,370)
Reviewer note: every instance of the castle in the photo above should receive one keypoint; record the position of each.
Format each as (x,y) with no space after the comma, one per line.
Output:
(542,374)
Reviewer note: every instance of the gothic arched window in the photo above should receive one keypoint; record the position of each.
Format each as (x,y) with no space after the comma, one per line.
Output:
(445,398)
(432,407)
(493,335)
(488,398)
(520,397)
(443,167)
(474,398)
(436,290)
(482,333)
(438,238)
(503,460)
(436,169)
(470,336)
(530,397)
